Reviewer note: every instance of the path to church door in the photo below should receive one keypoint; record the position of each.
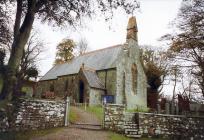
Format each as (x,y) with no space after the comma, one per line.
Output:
(81,92)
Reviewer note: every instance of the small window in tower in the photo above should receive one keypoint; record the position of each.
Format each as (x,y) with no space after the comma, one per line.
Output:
(134,78)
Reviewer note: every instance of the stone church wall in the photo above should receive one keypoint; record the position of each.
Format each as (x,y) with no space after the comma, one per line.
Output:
(108,77)
(43,86)
(95,96)
(72,81)
(60,87)
(125,93)
(66,85)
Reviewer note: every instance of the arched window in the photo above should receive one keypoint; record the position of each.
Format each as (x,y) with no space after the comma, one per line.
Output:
(52,88)
(134,78)
(66,85)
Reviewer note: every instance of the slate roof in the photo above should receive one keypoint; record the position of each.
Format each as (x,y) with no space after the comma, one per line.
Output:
(100,59)
(93,79)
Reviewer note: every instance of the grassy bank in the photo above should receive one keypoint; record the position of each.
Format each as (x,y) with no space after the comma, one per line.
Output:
(115,136)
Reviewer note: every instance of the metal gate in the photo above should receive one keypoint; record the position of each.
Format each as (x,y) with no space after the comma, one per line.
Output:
(84,116)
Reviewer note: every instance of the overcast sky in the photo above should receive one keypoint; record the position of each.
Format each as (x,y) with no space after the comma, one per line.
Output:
(153,20)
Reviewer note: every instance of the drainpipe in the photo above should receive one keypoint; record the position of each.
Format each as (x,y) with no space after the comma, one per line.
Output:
(105,78)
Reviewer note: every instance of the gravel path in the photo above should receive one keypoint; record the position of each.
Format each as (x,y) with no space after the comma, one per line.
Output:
(85,117)
(75,132)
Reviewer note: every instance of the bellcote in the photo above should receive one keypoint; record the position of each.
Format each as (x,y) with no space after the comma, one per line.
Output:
(132,29)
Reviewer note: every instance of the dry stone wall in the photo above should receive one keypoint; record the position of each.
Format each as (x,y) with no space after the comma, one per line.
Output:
(34,114)
(155,125)
(114,117)
(174,126)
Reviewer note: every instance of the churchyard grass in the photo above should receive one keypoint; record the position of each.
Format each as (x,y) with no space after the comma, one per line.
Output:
(96,110)
(139,109)
(72,116)
(26,135)
(153,139)
(115,136)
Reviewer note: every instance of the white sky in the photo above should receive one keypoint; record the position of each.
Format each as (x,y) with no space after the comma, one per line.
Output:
(152,19)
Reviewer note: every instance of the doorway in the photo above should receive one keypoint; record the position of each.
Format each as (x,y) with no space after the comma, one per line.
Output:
(81,92)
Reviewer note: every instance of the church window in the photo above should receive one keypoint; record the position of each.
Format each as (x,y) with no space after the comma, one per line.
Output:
(134,78)
(72,79)
(52,88)
(66,85)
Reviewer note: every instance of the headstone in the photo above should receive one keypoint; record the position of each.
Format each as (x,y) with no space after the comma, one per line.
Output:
(167,108)
(177,109)
(158,108)
(172,108)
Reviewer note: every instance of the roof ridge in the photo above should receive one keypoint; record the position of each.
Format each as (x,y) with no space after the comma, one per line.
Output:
(90,52)
(89,69)
(49,71)
(114,46)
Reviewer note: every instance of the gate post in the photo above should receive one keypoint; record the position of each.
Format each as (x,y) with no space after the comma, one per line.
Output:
(66,123)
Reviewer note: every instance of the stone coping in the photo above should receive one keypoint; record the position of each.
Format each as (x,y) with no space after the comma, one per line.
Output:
(165,115)
(115,105)
(42,100)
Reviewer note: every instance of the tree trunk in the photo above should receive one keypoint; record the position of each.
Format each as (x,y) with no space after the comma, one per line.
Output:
(16,54)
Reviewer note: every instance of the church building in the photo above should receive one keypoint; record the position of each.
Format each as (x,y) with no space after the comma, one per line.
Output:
(114,75)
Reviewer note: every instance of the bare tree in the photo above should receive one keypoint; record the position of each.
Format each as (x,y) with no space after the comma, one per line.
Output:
(28,66)
(155,64)
(187,44)
(82,46)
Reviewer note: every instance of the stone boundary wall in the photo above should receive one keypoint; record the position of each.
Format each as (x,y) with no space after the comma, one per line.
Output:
(114,117)
(176,126)
(32,114)
(149,124)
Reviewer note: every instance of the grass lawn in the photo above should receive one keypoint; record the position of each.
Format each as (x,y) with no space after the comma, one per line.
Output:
(26,135)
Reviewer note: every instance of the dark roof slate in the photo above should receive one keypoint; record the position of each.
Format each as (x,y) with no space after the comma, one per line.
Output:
(93,80)
(100,59)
